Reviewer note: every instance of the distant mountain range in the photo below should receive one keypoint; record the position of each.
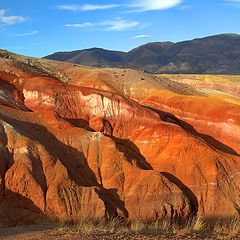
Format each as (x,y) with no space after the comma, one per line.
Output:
(218,54)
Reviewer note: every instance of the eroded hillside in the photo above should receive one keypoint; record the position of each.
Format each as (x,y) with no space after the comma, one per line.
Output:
(79,142)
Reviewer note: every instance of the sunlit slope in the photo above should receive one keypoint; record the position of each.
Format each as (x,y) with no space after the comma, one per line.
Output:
(104,142)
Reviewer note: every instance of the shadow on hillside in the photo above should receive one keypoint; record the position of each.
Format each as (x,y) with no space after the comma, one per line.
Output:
(10,96)
(187,191)
(79,123)
(16,209)
(6,160)
(209,140)
(73,160)
(132,152)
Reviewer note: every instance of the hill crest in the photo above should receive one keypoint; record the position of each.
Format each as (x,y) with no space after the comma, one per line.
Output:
(218,54)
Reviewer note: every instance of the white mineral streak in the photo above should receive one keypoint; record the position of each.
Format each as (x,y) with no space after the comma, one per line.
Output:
(22,150)
(35,95)
(102,106)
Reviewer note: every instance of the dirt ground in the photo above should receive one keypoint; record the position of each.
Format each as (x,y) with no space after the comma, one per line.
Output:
(66,233)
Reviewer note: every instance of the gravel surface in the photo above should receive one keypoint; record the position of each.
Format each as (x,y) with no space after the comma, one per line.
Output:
(66,233)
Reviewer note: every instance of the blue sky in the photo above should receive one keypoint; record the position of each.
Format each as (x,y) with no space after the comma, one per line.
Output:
(39,27)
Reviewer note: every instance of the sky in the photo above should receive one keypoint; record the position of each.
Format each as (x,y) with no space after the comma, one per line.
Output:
(41,27)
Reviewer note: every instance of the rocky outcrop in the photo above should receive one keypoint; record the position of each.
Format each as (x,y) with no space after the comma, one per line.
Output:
(77,173)
(163,142)
(69,152)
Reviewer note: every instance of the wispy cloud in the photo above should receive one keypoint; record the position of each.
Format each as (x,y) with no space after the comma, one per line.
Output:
(153,5)
(132,5)
(9,20)
(142,36)
(25,34)
(116,24)
(234,3)
(87,7)
(119,25)
(81,25)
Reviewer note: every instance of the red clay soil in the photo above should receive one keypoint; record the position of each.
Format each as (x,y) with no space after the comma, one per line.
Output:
(69,152)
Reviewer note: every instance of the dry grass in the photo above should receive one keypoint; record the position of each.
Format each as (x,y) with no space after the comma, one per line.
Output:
(139,226)
(113,225)
(197,225)
(204,77)
(163,226)
(230,228)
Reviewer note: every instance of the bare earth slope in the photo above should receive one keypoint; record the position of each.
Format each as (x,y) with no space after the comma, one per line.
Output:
(79,142)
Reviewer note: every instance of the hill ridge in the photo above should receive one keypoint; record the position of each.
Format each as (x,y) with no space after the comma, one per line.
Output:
(217,54)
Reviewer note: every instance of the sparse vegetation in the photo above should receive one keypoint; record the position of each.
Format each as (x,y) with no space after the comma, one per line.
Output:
(138,226)
(202,77)
(230,228)
(197,228)
(102,226)
(196,225)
